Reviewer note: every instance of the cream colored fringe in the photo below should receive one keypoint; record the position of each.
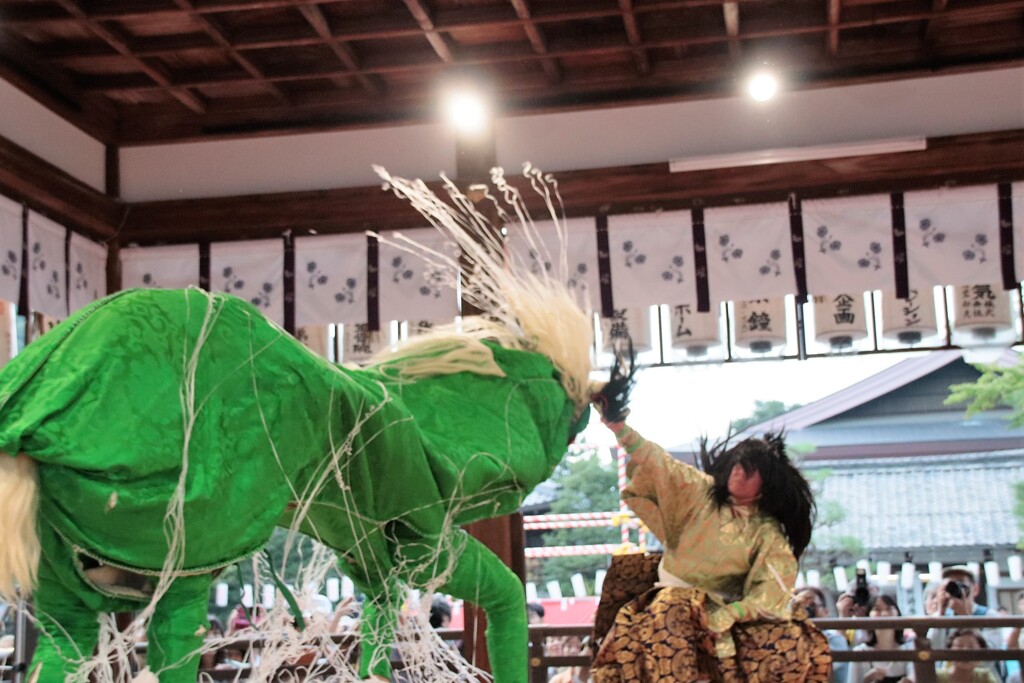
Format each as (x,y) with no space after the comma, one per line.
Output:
(524,310)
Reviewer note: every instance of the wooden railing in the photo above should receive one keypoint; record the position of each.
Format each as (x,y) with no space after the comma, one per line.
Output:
(923,656)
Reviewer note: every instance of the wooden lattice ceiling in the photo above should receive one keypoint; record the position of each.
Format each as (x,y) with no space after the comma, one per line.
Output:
(140,71)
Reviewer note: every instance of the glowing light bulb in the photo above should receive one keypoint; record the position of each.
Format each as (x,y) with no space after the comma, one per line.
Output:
(762,87)
(467,112)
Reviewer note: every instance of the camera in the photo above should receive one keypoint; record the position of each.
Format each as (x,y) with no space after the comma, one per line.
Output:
(956,589)
(861,594)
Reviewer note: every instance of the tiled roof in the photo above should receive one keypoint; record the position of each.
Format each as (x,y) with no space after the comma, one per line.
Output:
(901,504)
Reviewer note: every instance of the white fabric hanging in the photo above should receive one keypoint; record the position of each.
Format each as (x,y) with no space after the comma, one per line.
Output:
(88,271)
(170,267)
(953,236)
(651,256)
(8,332)
(848,244)
(10,249)
(412,286)
(253,271)
(330,279)
(749,253)
(47,267)
(581,272)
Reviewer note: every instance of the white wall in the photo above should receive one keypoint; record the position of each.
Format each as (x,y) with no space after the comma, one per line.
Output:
(285,163)
(34,127)
(935,106)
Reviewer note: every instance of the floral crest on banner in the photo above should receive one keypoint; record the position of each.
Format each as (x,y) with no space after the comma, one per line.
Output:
(749,252)
(414,287)
(47,267)
(580,270)
(88,272)
(10,249)
(848,244)
(953,236)
(330,279)
(169,267)
(252,271)
(651,258)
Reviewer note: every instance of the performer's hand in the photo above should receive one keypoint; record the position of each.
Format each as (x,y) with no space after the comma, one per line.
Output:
(616,427)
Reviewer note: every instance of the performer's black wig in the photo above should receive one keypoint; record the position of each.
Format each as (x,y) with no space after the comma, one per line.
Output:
(785,493)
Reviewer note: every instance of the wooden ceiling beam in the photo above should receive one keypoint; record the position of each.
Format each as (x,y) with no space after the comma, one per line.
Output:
(119,42)
(537,41)
(643,62)
(981,158)
(590,46)
(53,192)
(834,14)
(343,51)
(213,29)
(731,10)
(932,25)
(437,41)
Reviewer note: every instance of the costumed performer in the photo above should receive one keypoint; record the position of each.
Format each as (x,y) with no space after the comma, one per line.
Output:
(732,535)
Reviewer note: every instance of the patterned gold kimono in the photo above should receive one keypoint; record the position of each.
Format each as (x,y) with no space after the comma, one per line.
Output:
(722,568)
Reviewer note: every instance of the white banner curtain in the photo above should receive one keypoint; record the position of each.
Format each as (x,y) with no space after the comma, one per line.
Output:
(170,267)
(330,279)
(749,253)
(413,287)
(651,256)
(88,270)
(581,274)
(1017,204)
(252,270)
(953,236)
(848,244)
(47,267)
(10,249)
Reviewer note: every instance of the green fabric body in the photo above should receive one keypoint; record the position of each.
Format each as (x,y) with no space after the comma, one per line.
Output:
(99,403)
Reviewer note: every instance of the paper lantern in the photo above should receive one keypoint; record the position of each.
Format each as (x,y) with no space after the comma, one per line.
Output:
(348,589)
(814,578)
(599,581)
(316,338)
(935,570)
(268,596)
(760,324)
(632,322)
(247,595)
(839,573)
(360,343)
(693,331)
(221,595)
(981,310)
(884,569)
(531,592)
(554,590)
(579,586)
(417,327)
(1015,566)
(992,572)
(839,319)
(908,574)
(333,589)
(909,320)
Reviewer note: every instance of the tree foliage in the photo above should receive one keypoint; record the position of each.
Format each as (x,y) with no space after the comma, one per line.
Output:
(587,485)
(763,410)
(997,386)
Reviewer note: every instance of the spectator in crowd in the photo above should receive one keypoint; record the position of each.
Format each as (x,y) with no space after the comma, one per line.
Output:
(854,603)
(534,613)
(573,674)
(955,596)
(440,612)
(966,671)
(1014,640)
(813,601)
(881,641)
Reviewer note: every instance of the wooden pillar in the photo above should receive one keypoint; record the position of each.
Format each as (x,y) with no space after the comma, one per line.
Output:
(502,535)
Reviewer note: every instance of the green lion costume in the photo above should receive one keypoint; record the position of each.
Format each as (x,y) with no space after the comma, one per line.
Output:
(165,433)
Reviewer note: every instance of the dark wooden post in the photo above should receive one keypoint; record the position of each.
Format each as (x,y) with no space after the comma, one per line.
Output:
(502,535)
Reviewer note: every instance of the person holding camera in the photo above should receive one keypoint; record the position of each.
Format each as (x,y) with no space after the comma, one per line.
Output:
(955,596)
(881,641)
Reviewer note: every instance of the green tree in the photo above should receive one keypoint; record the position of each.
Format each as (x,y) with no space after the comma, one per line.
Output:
(587,485)
(997,386)
(763,410)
